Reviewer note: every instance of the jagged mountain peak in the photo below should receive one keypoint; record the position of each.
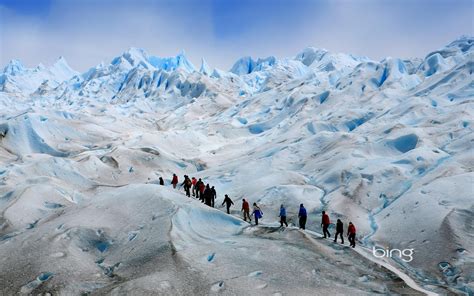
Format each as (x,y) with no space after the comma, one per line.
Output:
(247,64)
(205,69)
(40,67)
(464,42)
(244,65)
(61,60)
(179,61)
(131,58)
(14,67)
(62,69)
(310,54)
(184,63)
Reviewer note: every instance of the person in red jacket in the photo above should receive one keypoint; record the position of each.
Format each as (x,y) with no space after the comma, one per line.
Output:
(202,187)
(198,188)
(351,234)
(174,181)
(193,182)
(325,224)
(246,210)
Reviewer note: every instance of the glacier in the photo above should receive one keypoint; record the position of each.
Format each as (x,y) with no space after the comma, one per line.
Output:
(385,144)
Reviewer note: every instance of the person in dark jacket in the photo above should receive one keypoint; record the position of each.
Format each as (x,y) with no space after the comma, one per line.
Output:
(325,224)
(282,216)
(246,210)
(208,195)
(228,202)
(214,196)
(257,212)
(303,216)
(351,234)
(187,185)
(174,181)
(198,188)
(162,182)
(339,230)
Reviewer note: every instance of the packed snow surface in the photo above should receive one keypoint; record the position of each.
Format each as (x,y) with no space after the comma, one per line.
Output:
(385,144)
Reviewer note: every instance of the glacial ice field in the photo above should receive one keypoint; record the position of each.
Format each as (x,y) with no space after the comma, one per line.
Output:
(385,144)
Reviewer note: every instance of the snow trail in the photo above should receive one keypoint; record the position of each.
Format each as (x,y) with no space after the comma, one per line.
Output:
(368,255)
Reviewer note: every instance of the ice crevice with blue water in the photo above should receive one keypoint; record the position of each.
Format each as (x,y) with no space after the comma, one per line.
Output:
(385,144)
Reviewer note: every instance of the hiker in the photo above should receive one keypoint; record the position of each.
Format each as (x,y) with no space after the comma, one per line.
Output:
(174,181)
(214,196)
(257,213)
(339,230)
(187,185)
(325,224)
(282,216)
(198,188)
(351,234)
(202,188)
(193,182)
(228,202)
(302,215)
(246,210)
(162,182)
(208,195)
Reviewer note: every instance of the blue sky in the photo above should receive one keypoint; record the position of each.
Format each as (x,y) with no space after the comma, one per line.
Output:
(87,32)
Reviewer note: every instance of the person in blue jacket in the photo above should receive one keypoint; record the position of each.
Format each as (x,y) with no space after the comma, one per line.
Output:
(257,212)
(302,215)
(282,216)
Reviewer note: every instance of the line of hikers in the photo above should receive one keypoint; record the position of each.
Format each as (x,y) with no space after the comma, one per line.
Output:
(205,193)
(325,222)
(208,195)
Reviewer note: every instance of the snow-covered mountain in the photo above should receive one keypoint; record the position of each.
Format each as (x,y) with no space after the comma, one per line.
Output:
(16,78)
(384,144)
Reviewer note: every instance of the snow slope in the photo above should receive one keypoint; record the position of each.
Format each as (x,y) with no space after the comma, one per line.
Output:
(384,144)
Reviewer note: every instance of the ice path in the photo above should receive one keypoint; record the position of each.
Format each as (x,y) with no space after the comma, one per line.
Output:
(366,253)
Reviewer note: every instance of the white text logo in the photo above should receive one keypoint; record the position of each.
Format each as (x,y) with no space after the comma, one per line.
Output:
(405,254)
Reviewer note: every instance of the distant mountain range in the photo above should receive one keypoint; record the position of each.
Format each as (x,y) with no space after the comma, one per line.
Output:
(136,74)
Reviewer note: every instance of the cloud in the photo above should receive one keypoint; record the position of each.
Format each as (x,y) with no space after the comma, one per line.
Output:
(87,32)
